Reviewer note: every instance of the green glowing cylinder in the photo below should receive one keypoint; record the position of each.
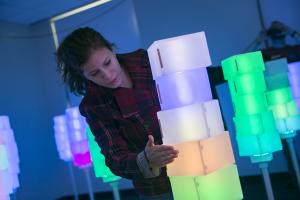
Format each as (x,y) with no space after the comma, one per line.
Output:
(279,96)
(284,110)
(277,81)
(242,64)
(255,124)
(244,84)
(250,104)
(222,184)
(100,169)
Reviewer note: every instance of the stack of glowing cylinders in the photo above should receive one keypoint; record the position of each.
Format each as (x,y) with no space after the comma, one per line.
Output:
(9,160)
(78,138)
(100,168)
(280,98)
(294,77)
(191,121)
(256,131)
(62,138)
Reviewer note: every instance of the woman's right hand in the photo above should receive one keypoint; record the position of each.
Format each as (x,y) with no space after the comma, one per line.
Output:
(159,155)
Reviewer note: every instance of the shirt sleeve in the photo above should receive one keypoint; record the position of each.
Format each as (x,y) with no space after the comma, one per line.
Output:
(118,158)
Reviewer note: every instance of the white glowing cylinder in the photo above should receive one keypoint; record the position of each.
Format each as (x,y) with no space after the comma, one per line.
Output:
(6,184)
(62,138)
(183,88)
(202,157)
(179,54)
(194,122)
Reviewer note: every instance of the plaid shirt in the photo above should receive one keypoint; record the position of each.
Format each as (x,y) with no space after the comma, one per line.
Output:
(121,120)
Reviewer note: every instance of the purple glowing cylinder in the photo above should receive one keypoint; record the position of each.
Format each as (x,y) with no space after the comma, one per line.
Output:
(62,138)
(294,67)
(78,138)
(295,91)
(294,79)
(183,88)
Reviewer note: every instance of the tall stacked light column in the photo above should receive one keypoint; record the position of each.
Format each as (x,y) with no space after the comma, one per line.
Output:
(100,168)
(281,102)
(191,121)
(256,133)
(9,160)
(61,134)
(79,143)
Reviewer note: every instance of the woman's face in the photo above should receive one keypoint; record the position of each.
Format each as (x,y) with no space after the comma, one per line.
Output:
(104,69)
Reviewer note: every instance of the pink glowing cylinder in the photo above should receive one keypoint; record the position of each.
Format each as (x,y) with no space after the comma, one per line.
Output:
(78,138)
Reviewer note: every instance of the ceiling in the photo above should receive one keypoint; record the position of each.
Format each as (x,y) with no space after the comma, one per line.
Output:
(32,11)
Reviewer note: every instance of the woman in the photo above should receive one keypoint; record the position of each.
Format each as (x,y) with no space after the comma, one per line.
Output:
(120,105)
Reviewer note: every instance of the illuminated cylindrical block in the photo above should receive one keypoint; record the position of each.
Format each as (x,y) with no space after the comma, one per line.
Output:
(4,123)
(295,91)
(255,124)
(277,81)
(279,96)
(243,84)
(294,67)
(10,154)
(177,54)
(78,139)
(277,66)
(222,184)
(242,64)
(202,157)
(183,88)
(6,184)
(288,124)
(281,111)
(294,79)
(62,138)
(100,168)
(259,144)
(193,122)
(250,104)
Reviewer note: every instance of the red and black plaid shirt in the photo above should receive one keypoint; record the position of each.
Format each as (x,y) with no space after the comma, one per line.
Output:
(121,120)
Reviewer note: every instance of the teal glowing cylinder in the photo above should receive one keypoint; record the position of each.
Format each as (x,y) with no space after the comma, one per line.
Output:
(222,184)
(277,81)
(260,145)
(249,125)
(280,99)
(288,125)
(242,64)
(275,67)
(183,88)
(100,168)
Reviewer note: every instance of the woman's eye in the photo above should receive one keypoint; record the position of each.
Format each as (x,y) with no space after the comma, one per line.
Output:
(107,63)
